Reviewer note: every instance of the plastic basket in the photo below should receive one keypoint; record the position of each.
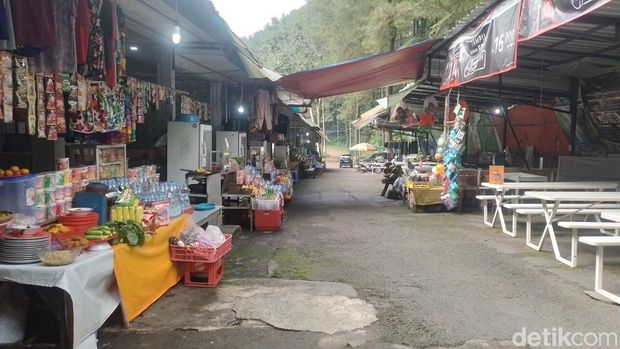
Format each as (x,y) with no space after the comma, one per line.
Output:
(201,254)
(426,196)
(203,274)
(268,220)
(266,205)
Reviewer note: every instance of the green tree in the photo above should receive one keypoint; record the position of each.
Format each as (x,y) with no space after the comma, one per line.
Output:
(328,31)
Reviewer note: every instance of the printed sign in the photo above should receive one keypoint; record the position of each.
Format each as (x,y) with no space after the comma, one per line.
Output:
(496,174)
(486,50)
(539,16)
(602,104)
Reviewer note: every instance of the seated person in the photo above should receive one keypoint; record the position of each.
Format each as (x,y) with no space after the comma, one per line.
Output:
(391,177)
(411,119)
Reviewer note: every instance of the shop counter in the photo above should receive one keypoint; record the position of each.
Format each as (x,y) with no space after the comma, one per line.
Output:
(89,284)
(144,274)
(211,217)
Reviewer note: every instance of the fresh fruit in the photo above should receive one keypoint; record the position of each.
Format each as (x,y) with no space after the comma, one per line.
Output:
(25,171)
(8,173)
(1,172)
(14,168)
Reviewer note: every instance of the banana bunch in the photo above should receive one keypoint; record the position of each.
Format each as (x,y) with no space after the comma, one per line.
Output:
(102,232)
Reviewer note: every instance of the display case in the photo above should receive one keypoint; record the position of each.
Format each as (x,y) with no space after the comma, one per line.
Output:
(110,160)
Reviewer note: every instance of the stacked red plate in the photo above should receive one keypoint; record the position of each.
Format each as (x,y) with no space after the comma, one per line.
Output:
(81,223)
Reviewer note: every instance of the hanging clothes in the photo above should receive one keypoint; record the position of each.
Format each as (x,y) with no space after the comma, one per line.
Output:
(4,28)
(121,47)
(95,68)
(109,28)
(34,24)
(61,57)
(82,29)
(7,19)
(264,112)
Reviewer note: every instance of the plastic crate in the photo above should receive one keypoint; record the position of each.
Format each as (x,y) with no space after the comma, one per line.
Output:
(203,274)
(201,254)
(266,205)
(268,220)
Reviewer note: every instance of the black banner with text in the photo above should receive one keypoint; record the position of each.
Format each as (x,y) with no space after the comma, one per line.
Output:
(486,50)
(540,16)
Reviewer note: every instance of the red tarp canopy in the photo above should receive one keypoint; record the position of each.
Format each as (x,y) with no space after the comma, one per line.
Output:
(534,126)
(360,74)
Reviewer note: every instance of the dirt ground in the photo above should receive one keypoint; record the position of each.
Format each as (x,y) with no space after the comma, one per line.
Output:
(435,279)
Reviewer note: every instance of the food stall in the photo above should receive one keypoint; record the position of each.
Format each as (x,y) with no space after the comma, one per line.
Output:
(83,220)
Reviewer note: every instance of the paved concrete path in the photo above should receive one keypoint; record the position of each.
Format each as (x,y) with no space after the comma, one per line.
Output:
(435,279)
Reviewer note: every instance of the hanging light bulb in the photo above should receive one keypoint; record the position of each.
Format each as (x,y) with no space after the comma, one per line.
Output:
(241,109)
(176,34)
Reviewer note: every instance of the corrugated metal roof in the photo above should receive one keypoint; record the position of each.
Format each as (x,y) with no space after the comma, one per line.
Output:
(590,40)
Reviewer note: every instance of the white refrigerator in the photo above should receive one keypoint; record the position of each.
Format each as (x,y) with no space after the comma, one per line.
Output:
(189,147)
(237,143)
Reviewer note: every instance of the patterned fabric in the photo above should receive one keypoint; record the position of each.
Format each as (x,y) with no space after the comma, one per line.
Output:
(95,69)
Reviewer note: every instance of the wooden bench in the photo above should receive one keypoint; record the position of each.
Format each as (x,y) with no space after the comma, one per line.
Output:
(600,242)
(529,212)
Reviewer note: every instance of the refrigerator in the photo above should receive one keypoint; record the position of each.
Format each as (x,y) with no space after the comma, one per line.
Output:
(237,143)
(189,147)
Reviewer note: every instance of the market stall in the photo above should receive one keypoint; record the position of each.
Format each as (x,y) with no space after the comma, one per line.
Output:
(85,206)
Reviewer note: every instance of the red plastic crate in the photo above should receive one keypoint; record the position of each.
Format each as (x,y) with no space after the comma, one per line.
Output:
(203,274)
(268,220)
(201,254)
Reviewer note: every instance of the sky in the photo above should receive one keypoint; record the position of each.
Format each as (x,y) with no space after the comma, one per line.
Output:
(245,17)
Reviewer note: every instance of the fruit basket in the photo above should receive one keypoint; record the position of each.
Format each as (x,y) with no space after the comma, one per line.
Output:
(200,254)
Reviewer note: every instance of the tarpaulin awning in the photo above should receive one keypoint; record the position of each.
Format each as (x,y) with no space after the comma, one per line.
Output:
(360,74)
(395,98)
(369,116)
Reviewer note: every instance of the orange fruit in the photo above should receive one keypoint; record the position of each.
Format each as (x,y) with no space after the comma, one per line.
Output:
(15,169)
(25,171)
(8,173)
(1,172)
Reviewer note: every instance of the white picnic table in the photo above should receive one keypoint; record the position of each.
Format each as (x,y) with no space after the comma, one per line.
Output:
(524,177)
(500,190)
(611,216)
(551,200)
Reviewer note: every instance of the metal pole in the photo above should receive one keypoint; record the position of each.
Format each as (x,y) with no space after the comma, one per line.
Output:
(506,121)
(573,95)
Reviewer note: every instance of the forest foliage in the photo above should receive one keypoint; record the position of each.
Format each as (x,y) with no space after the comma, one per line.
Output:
(325,32)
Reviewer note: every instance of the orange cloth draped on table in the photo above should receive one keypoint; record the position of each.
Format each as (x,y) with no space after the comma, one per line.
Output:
(144,274)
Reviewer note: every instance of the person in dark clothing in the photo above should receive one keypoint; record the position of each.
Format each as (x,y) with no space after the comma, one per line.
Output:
(391,177)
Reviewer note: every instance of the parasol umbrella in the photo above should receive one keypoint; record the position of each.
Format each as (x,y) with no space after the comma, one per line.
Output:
(364,147)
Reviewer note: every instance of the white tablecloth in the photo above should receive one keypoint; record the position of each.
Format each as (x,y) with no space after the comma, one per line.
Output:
(90,283)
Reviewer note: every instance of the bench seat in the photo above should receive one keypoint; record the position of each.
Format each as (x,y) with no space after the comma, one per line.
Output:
(600,242)
(575,206)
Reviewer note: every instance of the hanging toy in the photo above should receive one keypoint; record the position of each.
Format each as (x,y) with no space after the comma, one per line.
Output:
(440,168)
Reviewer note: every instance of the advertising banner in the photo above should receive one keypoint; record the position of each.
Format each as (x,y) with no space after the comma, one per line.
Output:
(486,50)
(540,16)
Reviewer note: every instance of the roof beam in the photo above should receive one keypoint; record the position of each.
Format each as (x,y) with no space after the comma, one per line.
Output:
(568,39)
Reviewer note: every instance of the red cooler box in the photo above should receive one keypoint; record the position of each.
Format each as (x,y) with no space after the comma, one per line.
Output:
(268,220)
